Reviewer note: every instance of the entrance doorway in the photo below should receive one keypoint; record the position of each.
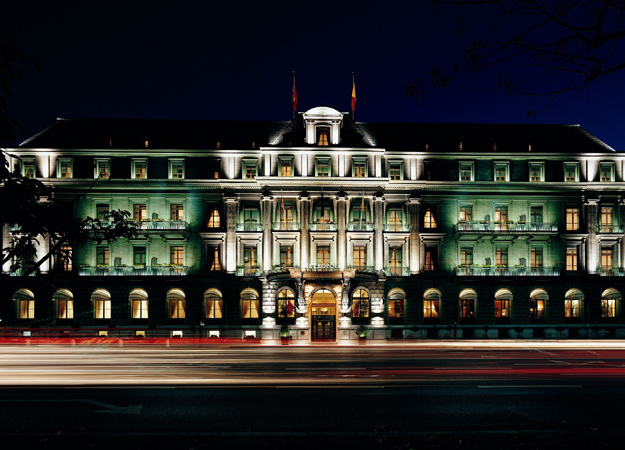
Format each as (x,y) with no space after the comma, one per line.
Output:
(323,315)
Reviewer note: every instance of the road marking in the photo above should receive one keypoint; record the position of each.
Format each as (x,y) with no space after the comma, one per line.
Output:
(132,409)
(326,368)
(329,387)
(531,386)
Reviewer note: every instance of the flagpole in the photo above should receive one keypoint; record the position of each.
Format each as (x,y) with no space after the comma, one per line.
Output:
(294,97)
(353,97)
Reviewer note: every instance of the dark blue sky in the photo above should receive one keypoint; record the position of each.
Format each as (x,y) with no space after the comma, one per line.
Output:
(212,60)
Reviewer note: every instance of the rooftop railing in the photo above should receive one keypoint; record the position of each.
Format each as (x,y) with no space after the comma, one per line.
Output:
(505,227)
(103,271)
(508,271)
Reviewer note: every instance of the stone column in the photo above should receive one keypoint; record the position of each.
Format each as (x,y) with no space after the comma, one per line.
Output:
(266,203)
(231,234)
(342,238)
(414,207)
(304,205)
(592,245)
(378,240)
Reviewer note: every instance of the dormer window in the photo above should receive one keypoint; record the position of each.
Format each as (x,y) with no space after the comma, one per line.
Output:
(323,136)
(323,126)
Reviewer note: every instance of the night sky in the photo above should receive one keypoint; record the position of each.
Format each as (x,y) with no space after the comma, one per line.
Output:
(234,60)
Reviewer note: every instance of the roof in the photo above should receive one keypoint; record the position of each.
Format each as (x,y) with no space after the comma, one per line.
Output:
(243,135)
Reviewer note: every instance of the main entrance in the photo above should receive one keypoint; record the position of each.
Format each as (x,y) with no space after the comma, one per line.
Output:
(323,315)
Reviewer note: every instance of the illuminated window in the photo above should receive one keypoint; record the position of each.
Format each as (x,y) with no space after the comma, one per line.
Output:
(176,211)
(64,167)
(430,259)
(249,304)
(572,219)
(396,170)
(606,220)
(139,256)
(536,257)
(537,171)
(287,216)
(65,258)
(214,219)
(466,256)
(571,258)
(214,263)
(28,168)
(536,214)
(176,255)
(139,168)
(606,257)
(286,167)
(102,211)
(466,304)
(214,304)
(26,309)
(359,167)
(139,309)
(395,220)
(394,260)
(176,169)
(501,256)
(360,257)
(466,170)
(250,257)
(139,211)
(431,308)
(606,174)
(360,304)
(571,172)
(428,220)
(177,304)
(101,309)
(466,213)
(102,256)
(323,136)
(250,219)
(608,308)
(502,308)
(323,254)
(249,168)
(286,304)
(537,308)
(103,168)
(572,308)
(501,172)
(322,167)
(396,299)
(501,214)
(286,256)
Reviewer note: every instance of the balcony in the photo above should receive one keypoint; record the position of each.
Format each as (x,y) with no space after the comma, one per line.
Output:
(286,226)
(357,226)
(393,271)
(508,271)
(248,271)
(19,272)
(610,271)
(149,225)
(362,268)
(505,227)
(121,271)
(322,226)
(396,227)
(614,229)
(249,226)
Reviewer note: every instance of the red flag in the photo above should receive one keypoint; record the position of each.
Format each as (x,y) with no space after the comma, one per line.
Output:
(294,94)
(353,94)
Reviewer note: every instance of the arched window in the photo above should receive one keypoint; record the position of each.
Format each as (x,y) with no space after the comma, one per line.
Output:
(101,303)
(214,304)
(573,300)
(432,303)
(538,304)
(466,303)
(138,304)
(177,303)
(25,301)
(360,303)
(286,304)
(396,299)
(249,304)
(63,304)
(610,300)
(503,304)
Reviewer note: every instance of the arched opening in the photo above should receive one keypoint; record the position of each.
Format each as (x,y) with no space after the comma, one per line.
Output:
(213,304)
(610,305)
(396,304)
(503,306)
(286,306)
(138,304)
(177,303)
(432,305)
(466,305)
(101,304)
(63,304)
(249,305)
(25,302)
(323,315)
(538,305)
(573,302)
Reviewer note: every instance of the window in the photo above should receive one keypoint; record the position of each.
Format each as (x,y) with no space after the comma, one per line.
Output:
(214,219)
(139,169)
(572,308)
(286,304)
(396,170)
(249,168)
(139,212)
(360,257)
(501,172)
(394,260)
(571,172)
(608,308)
(176,169)
(323,136)
(322,167)
(466,213)
(286,256)
(249,304)
(286,167)
(64,167)
(214,169)
(536,214)
(431,308)
(360,304)
(176,211)
(501,257)
(102,211)
(359,167)
(139,309)
(139,256)
(395,220)
(176,255)
(502,308)
(571,258)
(101,309)
(26,309)
(537,171)
(466,304)
(430,259)
(606,258)
(536,257)
(28,168)
(250,219)
(323,254)
(537,308)
(176,309)
(287,216)
(65,258)
(466,256)
(606,220)
(250,256)
(466,171)
(103,168)
(606,174)
(428,219)
(501,214)
(396,300)
(214,263)
(214,304)
(102,256)
(572,219)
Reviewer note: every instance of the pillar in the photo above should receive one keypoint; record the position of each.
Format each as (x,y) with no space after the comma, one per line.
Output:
(378,240)
(231,234)
(342,238)
(414,207)
(304,205)
(592,245)
(266,204)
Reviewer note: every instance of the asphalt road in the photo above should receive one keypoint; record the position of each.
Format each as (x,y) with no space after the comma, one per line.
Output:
(335,389)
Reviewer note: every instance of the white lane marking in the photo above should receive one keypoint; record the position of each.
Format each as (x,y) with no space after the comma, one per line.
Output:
(531,386)
(326,368)
(329,387)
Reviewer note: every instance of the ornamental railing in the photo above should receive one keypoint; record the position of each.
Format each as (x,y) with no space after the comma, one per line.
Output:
(146,224)
(249,226)
(609,229)
(322,226)
(362,268)
(395,227)
(508,271)
(357,226)
(248,271)
(392,271)
(286,226)
(103,271)
(505,227)
(610,271)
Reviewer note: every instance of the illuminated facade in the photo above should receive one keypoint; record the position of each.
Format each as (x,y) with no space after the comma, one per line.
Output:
(325,225)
